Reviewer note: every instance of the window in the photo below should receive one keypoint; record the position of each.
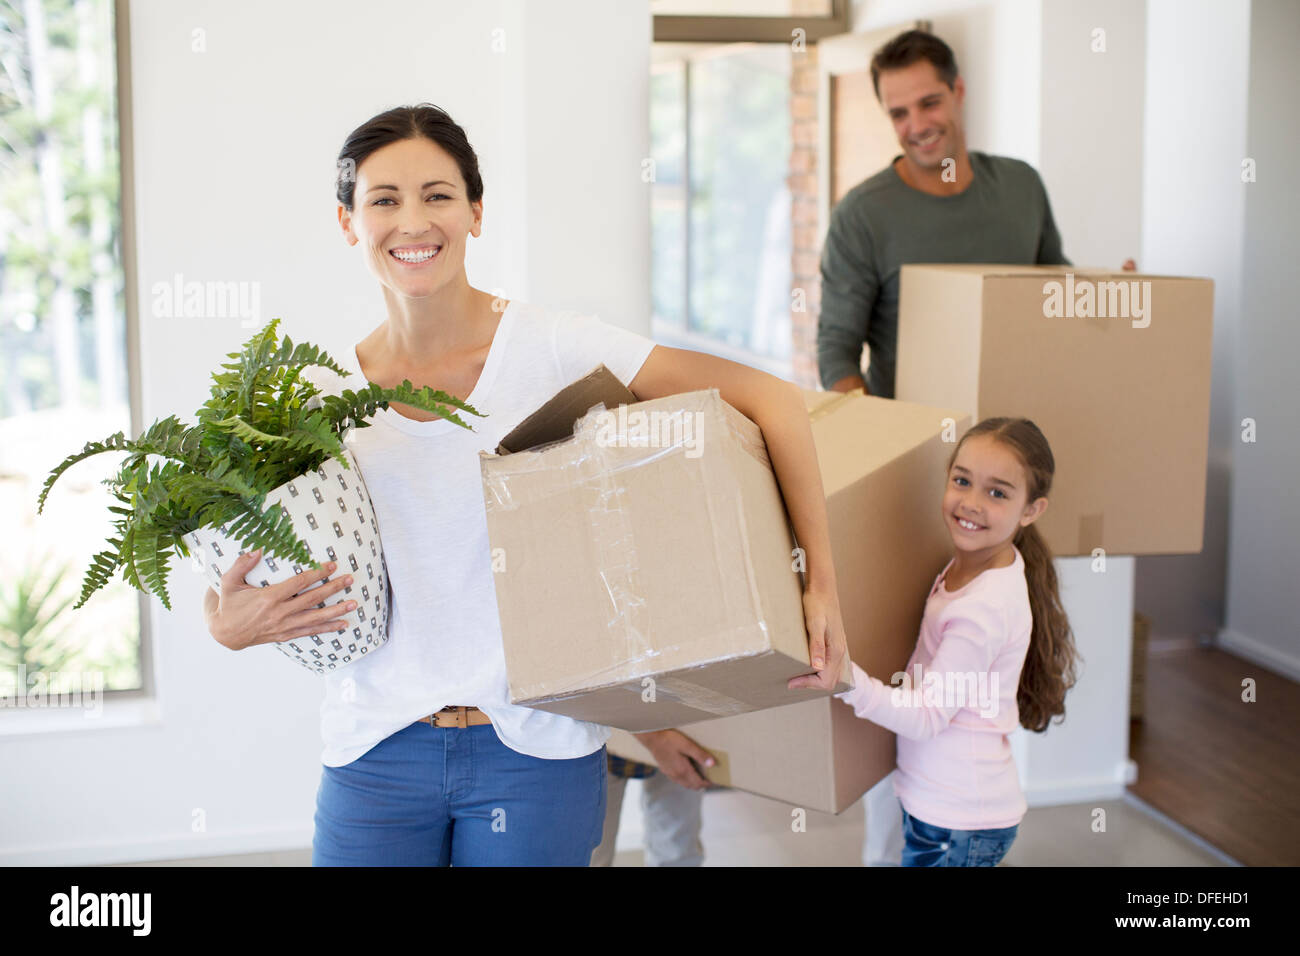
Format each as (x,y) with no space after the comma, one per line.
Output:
(63,347)
(720,207)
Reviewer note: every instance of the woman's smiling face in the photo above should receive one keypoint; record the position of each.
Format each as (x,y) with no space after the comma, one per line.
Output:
(413,216)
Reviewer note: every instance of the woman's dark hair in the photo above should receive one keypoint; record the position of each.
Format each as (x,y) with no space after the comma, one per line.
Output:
(407,122)
(906,49)
(1049,669)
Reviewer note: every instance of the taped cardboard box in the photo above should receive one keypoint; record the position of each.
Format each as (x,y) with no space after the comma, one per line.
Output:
(1114,367)
(883,464)
(645,574)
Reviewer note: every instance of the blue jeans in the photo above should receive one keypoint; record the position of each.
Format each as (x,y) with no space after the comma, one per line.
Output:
(927,845)
(433,796)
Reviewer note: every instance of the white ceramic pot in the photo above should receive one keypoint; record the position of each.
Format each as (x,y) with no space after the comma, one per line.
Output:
(332,514)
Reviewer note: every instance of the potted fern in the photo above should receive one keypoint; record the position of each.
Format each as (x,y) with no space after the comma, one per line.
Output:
(264,467)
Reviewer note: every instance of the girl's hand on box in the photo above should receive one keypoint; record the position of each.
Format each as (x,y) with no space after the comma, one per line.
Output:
(244,615)
(827,645)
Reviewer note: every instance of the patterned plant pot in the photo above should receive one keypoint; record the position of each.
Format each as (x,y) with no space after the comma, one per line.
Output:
(332,514)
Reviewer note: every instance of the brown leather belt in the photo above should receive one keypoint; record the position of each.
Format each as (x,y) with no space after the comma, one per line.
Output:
(451,716)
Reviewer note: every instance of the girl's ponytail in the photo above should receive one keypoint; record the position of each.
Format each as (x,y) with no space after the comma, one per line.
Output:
(1049,669)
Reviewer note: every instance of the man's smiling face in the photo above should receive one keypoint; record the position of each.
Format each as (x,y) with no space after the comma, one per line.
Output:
(926,114)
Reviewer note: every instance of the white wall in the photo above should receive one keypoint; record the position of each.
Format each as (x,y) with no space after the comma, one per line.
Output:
(1092,111)
(1192,210)
(235,150)
(1264,541)
(1085,757)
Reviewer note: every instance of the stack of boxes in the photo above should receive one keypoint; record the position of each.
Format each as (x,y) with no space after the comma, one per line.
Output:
(649,575)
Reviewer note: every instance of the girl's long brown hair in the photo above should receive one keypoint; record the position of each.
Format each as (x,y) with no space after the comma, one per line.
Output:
(1049,669)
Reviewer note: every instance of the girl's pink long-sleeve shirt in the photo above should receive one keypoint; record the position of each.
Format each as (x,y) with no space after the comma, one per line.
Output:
(955,768)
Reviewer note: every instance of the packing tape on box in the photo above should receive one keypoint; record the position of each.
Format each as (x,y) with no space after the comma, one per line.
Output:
(599,462)
(631,677)
(699,697)
(591,463)
(667,688)
(747,434)
(613,539)
(828,406)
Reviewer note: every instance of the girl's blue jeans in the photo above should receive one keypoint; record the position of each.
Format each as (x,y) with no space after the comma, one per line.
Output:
(433,796)
(927,845)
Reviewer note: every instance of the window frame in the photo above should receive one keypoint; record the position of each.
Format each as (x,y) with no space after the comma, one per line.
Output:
(686,28)
(130,306)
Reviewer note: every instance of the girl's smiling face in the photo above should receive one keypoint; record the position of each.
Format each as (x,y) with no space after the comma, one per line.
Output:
(412,214)
(986,500)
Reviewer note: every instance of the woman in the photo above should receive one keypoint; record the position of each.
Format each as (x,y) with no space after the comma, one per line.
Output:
(426,761)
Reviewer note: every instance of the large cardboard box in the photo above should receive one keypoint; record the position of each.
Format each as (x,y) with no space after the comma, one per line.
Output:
(883,464)
(1113,367)
(645,567)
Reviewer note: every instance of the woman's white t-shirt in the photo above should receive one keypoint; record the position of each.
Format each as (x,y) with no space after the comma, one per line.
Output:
(444,645)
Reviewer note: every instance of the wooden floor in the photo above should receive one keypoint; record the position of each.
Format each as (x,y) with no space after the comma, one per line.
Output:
(1227,770)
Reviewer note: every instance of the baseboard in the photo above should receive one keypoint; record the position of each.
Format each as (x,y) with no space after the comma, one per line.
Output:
(174,848)
(1264,655)
(1080,790)
(1186,834)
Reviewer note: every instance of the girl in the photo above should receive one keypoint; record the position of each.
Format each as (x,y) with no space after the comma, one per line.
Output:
(426,760)
(995,649)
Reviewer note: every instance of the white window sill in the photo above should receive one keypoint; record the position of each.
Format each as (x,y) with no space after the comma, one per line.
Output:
(104,714)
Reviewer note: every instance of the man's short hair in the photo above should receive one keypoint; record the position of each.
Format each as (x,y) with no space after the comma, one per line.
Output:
(906,49)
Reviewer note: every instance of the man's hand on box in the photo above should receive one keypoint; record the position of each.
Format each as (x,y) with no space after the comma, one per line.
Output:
(827,645)
(673,752)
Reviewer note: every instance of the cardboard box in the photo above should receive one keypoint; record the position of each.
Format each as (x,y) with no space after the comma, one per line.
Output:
(645,574)
(883,464)
(1114,367)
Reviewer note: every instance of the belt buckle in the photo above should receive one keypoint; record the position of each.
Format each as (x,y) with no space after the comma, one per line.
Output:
(461,713)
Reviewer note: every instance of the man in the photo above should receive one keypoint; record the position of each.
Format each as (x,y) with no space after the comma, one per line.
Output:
(934,203)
